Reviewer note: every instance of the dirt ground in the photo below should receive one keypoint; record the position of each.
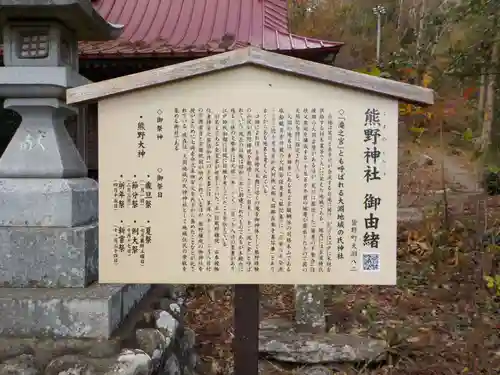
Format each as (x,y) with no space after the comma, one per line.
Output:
(440,319)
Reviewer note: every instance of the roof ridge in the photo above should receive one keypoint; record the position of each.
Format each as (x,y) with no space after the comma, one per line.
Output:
(257,57)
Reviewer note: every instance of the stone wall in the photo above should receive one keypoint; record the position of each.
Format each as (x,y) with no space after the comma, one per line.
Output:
(163,347)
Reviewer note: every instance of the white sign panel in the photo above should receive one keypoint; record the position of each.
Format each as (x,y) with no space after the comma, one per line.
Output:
(248,176)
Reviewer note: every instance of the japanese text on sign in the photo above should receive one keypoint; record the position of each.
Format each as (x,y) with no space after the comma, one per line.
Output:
(252,193)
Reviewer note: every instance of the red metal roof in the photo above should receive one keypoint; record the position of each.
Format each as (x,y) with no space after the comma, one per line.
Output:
(197,27)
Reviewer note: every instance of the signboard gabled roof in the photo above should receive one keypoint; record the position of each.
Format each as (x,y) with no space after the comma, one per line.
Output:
(256,57)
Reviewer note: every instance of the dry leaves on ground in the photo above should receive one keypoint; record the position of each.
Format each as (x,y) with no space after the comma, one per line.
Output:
(440,318)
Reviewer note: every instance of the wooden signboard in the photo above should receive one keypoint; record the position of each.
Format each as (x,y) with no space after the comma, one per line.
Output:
(247,173)
(248,168)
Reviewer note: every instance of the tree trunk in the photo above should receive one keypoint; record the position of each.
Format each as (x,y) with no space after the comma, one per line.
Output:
(482,96)
(489,101)
(400,19)
(420,42)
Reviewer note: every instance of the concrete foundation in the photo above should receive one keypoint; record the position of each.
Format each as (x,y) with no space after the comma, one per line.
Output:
(91,312)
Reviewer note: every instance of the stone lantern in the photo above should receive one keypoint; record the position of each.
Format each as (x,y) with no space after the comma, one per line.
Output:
(46,44)
(48,206)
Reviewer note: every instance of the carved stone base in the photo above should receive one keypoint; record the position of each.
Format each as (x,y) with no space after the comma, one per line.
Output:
(43,202)
(41,146)
(48,257)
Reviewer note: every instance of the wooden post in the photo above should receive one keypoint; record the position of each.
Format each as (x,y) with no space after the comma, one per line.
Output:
(310,308)
(246,329)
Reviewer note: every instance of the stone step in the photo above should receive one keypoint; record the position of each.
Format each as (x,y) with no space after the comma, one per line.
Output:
(279,340)
(410,215)
(92,312)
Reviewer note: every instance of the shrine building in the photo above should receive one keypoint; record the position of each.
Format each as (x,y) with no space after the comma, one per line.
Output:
(165,32)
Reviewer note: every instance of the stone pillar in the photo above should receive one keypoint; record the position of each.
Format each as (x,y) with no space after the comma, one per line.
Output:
(48,206)
(310,308)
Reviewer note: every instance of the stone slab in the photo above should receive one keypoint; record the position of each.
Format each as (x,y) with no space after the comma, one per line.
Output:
(309,348)
(410,215)
(48,257)
(93,312)
(38,202)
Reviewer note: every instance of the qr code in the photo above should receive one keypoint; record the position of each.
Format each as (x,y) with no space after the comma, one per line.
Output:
(371,262)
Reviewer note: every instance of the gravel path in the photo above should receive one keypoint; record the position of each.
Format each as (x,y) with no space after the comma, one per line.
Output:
(454,171)
(456,174)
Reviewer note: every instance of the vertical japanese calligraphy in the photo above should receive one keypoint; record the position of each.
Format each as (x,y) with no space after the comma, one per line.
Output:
(313,191)
(322,256)
(185,199)
(118,242)
(148,238)
(209,188)
(248,175)
(297,143)
(148,195)
(265,173)
(185,129)
(225,186)
(249,195)
(288,217)
(134,192)
(234,192)
(131,240)
(372,174)
(159,128)
(177,127)
(217,186)
(159,182)
(193,190)
(305,196)
(142,193)
(141,136)
(257,190)
(240,193)
(119,193)
(329,194)
(273,182)
(354,245)
(253,191)
(341,186)
(281,191)
(200,188)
